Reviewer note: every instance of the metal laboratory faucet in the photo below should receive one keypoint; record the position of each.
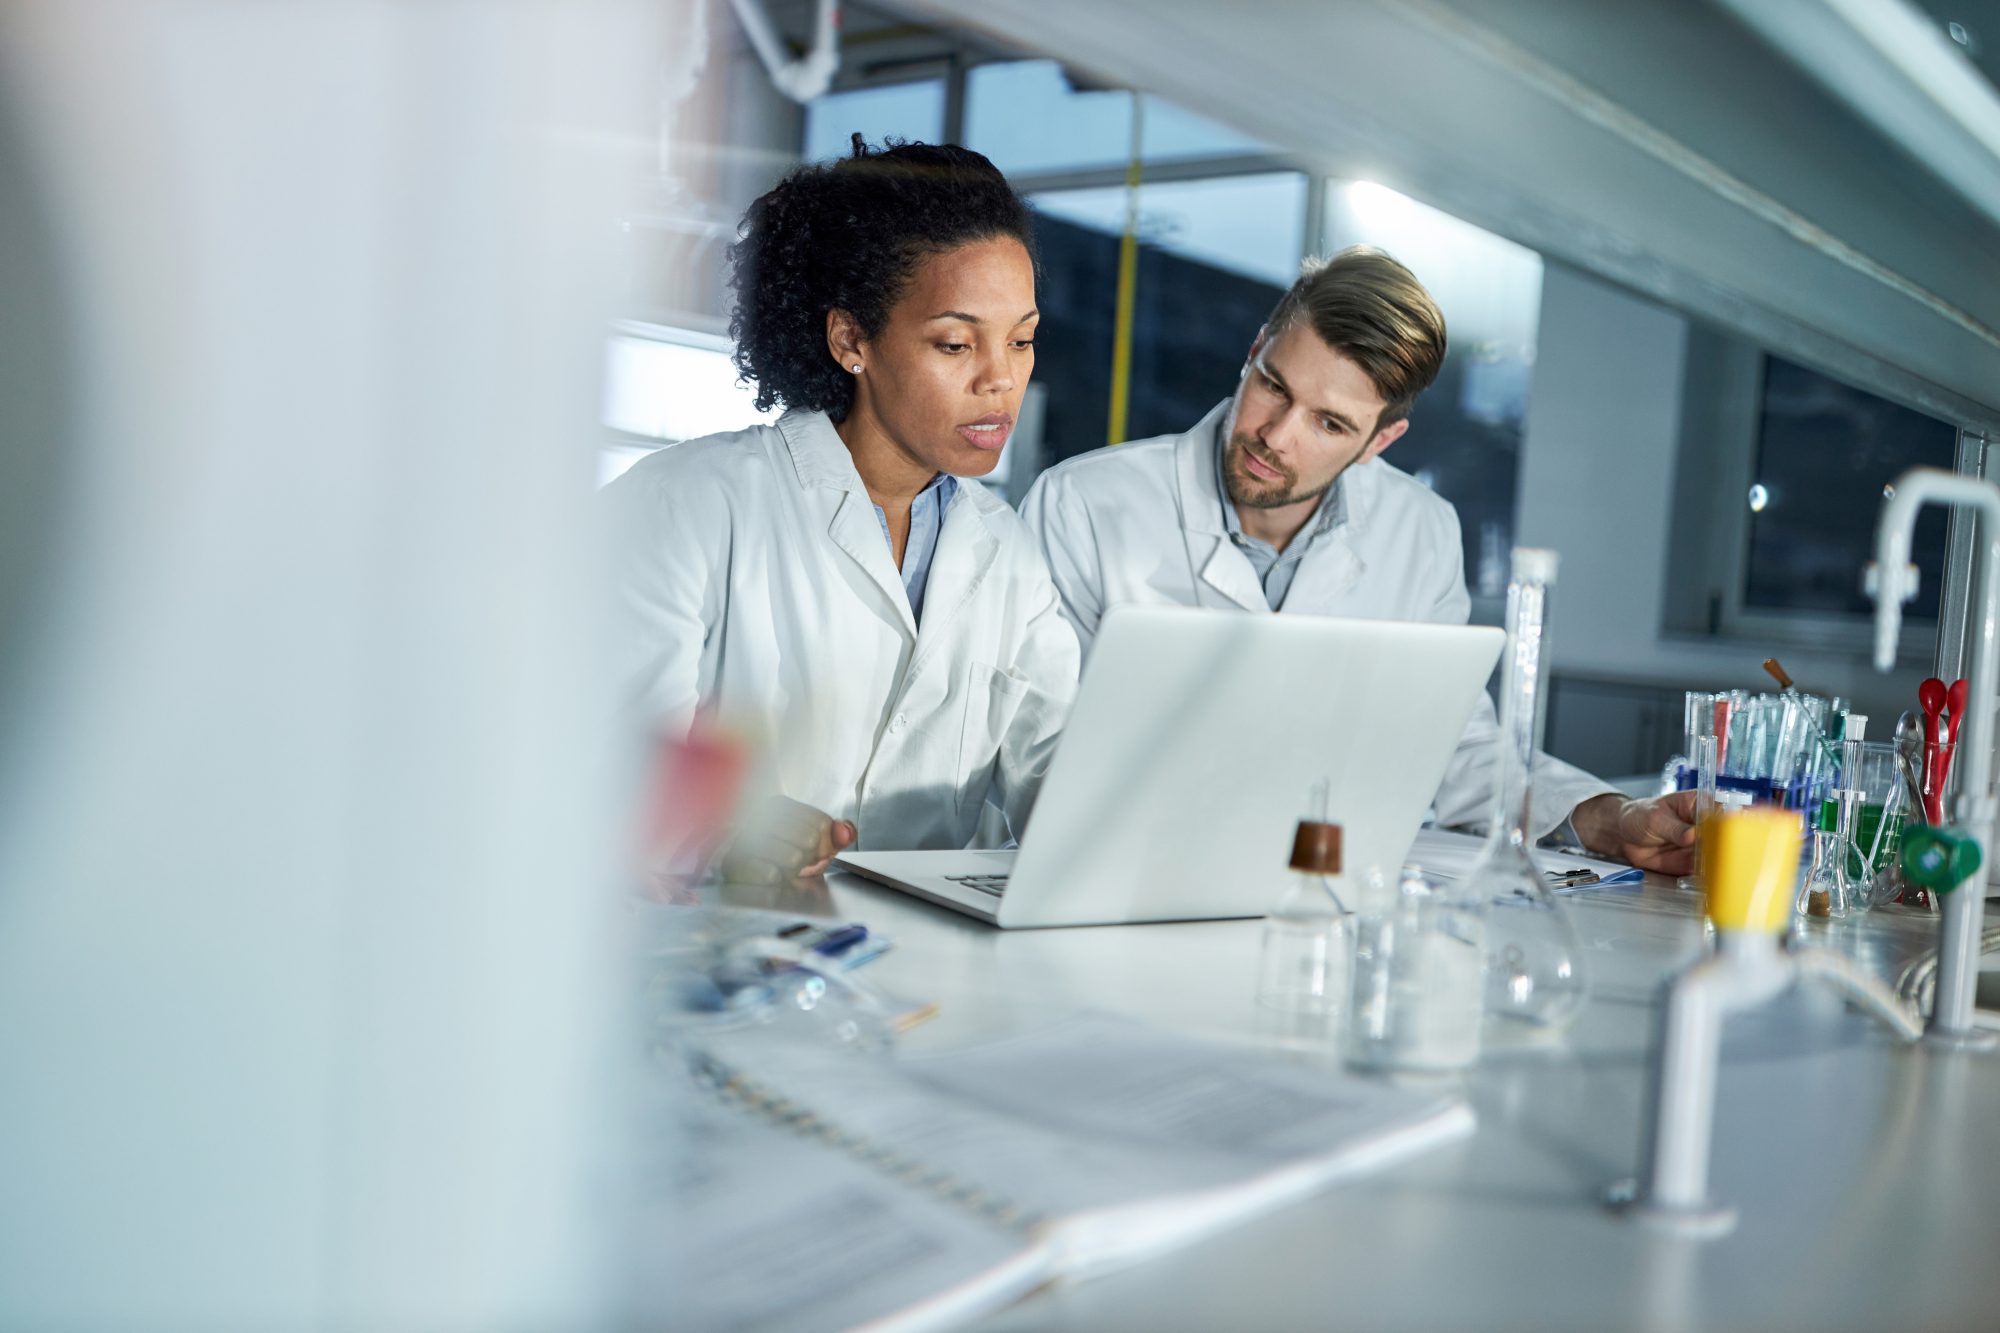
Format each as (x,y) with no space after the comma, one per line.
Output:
(1943,859)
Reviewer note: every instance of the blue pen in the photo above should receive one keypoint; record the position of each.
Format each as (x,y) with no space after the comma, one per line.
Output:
(835,942)
(1571,881)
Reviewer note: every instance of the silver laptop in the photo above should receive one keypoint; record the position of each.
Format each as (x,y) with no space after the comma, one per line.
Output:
(1188,756)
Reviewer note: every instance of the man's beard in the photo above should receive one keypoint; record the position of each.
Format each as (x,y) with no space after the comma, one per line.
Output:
(1251,493)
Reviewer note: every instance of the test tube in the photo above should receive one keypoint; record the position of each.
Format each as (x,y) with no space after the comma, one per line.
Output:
(1792,733)
(1697,719)
(1766,728)
(1725,709)
(1705,750)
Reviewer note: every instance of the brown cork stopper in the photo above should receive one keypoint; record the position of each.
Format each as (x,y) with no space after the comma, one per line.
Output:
(1316,848)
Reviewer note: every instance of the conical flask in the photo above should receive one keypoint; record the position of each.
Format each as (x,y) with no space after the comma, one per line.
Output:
(1534,960)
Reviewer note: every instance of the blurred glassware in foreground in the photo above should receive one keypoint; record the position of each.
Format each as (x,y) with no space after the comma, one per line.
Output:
(1418,959)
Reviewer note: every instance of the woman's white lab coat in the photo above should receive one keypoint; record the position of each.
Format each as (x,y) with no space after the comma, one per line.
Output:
(755,584)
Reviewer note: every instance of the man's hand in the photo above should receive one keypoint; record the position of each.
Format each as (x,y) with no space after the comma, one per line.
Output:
(1654,834)
(784,841)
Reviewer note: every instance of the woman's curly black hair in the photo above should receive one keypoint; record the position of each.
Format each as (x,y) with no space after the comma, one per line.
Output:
(848,236)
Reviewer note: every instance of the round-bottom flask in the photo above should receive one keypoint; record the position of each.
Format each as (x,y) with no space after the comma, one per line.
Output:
(1534,969)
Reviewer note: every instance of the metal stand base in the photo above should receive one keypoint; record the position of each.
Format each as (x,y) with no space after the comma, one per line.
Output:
(1973,1042)
(1706,1222)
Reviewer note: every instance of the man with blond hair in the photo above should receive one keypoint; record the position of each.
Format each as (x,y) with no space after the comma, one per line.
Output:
(1278,501)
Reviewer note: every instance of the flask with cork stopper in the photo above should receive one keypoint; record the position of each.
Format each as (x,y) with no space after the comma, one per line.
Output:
(1308,942)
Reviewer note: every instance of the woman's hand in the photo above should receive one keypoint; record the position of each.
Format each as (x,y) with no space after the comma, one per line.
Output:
(786,840)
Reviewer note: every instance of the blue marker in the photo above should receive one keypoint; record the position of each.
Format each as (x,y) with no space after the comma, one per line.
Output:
(835,942)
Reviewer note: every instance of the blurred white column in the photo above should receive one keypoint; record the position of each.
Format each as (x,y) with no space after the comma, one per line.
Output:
(306,825)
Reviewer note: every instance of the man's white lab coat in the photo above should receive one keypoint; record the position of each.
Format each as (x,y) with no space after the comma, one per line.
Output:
(755,584)
(1143,523)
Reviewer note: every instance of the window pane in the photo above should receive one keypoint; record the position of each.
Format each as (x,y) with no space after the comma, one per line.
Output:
(675,385)
(1249,225)
(1172,132)
(1027,117)
(1214,257)
(913,111)
(1824,454)
(1464,440)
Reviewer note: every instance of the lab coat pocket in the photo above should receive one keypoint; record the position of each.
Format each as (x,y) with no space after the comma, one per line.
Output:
(994,698)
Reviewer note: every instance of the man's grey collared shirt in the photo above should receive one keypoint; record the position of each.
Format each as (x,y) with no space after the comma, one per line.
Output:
(1275,568)
(926,522)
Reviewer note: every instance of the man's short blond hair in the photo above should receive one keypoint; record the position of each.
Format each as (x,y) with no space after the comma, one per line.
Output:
(1364,304)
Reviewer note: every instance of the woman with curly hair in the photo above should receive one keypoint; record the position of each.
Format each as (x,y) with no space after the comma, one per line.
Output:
(836,586)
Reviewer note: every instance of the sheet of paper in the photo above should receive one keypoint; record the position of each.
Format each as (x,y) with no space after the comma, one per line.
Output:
(1042,1173)
(1098,1114)
(1222,1134)
(1448,856)
(751,1226)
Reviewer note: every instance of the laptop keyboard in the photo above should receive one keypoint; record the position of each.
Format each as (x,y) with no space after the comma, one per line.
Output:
(993,884)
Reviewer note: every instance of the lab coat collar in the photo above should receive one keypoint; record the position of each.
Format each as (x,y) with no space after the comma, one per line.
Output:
(819,456)
(1327,570)
(967,548)
(822,463)
(1194,464)
(1210,552)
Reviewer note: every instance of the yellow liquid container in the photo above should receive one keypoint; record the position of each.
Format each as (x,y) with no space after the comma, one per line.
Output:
(1749,867)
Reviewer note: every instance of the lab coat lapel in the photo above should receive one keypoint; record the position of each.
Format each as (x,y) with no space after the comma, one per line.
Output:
(1333,564)
(1229,572)
(1326,571)
(1212,557)
(857,531)
(966,552)
(826,473)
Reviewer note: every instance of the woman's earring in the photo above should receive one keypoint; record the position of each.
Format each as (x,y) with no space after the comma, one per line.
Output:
(856,367)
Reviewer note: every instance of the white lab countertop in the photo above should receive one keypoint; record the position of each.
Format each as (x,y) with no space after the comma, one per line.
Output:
(1866,1172)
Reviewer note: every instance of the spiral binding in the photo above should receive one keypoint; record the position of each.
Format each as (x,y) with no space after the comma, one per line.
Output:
(739,1090)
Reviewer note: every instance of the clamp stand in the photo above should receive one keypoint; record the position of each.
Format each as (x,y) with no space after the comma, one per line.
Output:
(1749,861)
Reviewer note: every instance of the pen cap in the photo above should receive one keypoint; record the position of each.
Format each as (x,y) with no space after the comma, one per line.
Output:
(1316,848)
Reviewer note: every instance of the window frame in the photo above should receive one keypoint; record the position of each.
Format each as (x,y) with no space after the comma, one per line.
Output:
(955,69)
(1723,569)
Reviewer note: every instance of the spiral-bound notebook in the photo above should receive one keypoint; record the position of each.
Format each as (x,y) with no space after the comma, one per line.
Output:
(824,1190)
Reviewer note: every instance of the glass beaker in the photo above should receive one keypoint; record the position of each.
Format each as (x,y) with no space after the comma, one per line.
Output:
(1418,993)
(1873,769)
(1534,961)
